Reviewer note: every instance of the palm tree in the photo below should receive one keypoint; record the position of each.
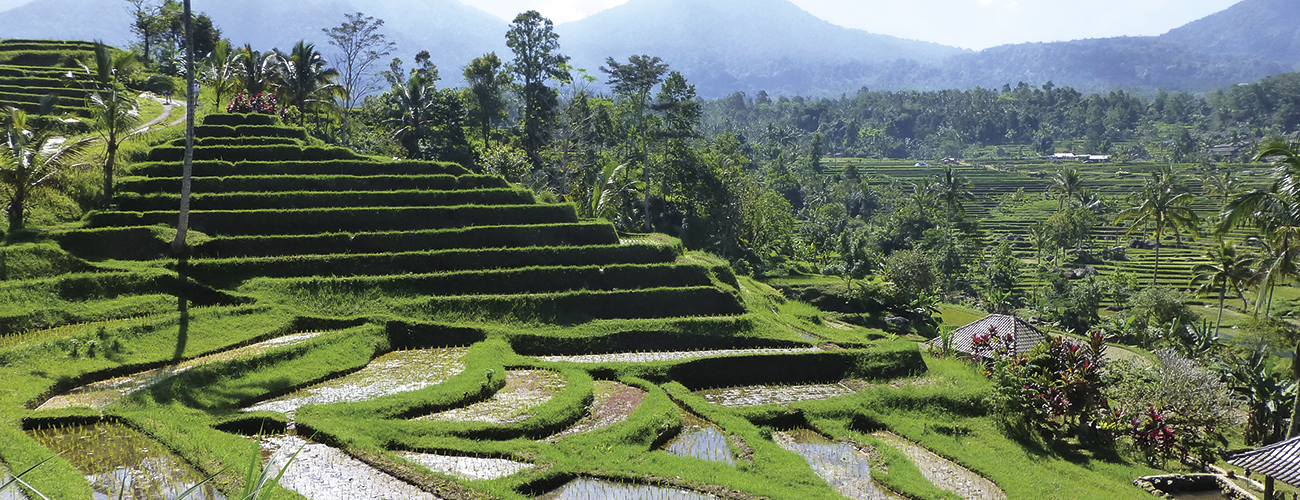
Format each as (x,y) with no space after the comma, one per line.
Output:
(416,101)
(1067,183)
(222,74)
(30,159)
(952,188)
(304,79)
(256,71)
(1165,203)
(1221,183)
(113,109)
(1275,212)
(1227,269)
(187,168)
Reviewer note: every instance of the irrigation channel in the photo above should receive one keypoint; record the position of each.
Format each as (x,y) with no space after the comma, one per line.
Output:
(524,390)
(611,403)
(320,472)
(594,489)
(392,373)
(103,393)
(843,466)
(120,462)
(701,439)
(944,473)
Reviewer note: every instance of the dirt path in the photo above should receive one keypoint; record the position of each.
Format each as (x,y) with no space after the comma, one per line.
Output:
(168,106)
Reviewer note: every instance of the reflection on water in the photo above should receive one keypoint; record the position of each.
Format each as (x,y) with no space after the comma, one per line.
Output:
(122,463)
(593,489)
(700,439)
(845,468)
(392,373)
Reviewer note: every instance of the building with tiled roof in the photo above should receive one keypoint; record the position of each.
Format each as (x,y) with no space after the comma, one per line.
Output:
(1024,335)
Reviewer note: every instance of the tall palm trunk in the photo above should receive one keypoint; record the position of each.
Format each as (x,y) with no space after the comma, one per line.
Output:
(645,155)
(110,152)
(191,98)
(16,207)
(1160,230)
(1223,292)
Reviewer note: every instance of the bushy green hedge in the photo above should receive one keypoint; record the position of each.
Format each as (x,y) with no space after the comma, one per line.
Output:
(883,361)
(326,199)
(236,119)
(239,141)
(12,71)
(25,93)
(33,108)
(682,335)
(539,235)
(50,82)
(310,221)
(67,58)
(269,183)
(500,281)
(312,168)
(125,243)
(581,306)
(255,153)
(230,271)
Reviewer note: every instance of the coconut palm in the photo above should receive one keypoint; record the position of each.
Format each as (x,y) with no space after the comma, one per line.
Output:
(256,71)
(415,99)
(31,159)
(1227,269)
(1164,203)
(1279,263)
(1275,212)
(114,111)
(187,167)
(222,73)
(952,188)
(1221,183)
(1067,184)
(304,79)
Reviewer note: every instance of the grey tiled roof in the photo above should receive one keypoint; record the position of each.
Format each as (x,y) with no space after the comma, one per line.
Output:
(1026,336)
(1280,461)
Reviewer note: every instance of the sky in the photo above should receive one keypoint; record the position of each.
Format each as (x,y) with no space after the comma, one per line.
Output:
(971,24)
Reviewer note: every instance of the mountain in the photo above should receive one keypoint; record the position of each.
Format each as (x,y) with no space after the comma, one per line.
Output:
(1255,27)
(728,45)
(452,32)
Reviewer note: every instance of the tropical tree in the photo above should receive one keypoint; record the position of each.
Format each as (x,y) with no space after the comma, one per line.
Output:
(360,44)
(222,72)
(952,188)
(1227,269)
(1222,183)
(304,79)
(634,81)
(113,109)
(487,79)
(1164,203)
(536,46)
(1265,393)
(1067,184)
(187,166)
(256,71)
(414,100)
(31,159)
(1275,212)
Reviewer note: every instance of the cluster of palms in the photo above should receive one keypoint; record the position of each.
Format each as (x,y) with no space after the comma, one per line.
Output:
(299,78)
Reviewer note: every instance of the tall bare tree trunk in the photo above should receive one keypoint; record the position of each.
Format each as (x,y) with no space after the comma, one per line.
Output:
(191,98)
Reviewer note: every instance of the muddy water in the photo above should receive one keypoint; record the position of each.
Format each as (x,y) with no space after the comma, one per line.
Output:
(646,357)
(319,472)
(392,373)
(612,402)
(593,489)
(944,473)
(100,394)
(467,467)
(1200,495)
(755,395)
(701,439)
(843,466)
(118,460)
(524,389)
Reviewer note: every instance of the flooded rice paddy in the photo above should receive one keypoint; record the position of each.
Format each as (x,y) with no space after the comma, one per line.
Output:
(611,403)
(755,395)
(594,489)
(392,373)
(701,439)
(319,472)
(120,462)
(646,357)
(524,389)
(470,468)
(944,473)
(103,393)
(843,466)
(13,492)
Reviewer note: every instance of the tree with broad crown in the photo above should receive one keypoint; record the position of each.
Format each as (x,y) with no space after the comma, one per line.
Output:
(1275,212)
(487,81)
(1067,184)
(1164,202)
(634,81)
(304,79)
(360,44)
(222,70)
(535,44)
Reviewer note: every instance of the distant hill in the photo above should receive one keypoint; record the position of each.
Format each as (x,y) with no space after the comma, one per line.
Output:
(1264,28)
(723,46)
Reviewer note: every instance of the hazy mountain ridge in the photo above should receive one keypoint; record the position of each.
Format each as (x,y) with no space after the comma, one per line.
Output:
(724,46)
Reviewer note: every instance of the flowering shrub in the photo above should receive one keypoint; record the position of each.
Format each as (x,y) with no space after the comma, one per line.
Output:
(261,104)
(1056,388)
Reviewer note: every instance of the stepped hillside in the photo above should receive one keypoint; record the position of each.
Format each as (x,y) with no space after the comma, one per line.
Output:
(33,69)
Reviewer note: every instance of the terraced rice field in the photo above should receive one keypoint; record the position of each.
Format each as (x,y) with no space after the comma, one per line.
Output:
(843,466)
(766,394)
(612,403)
(319,472)
(524,389)
(120,462)
(470,468)
(392,373)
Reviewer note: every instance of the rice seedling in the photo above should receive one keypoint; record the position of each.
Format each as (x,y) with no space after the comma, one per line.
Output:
(612,402)
(121,463)
(596,489)
(845,468)
(524,389)
(320,472)
(755,395)
(701,439)
(647,357)
(463,467)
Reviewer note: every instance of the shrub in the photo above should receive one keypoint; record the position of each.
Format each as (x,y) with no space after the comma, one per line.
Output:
(1056,389)
(258,104)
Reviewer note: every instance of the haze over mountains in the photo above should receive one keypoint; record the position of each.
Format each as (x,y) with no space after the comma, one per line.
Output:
(724,46)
